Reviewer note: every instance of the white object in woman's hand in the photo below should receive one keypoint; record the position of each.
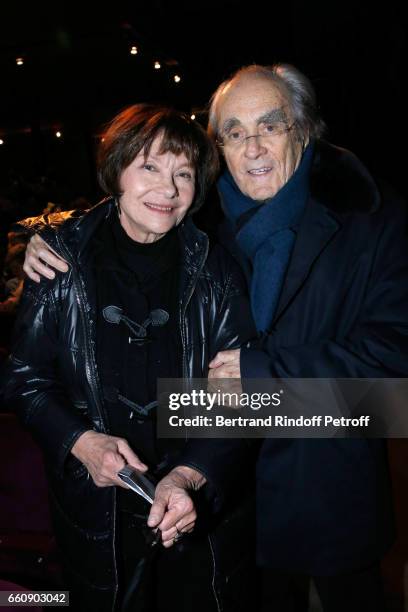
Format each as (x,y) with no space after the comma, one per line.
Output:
(104,456)
(40,259)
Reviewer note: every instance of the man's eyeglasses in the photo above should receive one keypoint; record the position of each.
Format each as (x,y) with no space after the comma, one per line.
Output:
(237,135)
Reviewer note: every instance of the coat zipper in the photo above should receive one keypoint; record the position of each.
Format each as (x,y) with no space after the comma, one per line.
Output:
(183,310)
(92,377)
(217,601)
(183,325)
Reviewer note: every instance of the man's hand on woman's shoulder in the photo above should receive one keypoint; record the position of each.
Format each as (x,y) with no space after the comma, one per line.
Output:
(40,260)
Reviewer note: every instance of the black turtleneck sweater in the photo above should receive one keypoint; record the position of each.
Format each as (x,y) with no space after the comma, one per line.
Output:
(137,278)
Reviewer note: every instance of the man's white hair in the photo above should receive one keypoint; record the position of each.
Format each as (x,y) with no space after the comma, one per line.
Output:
(294,84)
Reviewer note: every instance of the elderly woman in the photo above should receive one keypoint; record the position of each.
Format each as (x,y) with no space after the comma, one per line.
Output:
(84,380)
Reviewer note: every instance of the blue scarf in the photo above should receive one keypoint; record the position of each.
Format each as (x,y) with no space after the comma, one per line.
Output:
(267,237)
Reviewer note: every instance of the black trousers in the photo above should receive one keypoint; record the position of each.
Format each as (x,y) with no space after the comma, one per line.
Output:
(359,591)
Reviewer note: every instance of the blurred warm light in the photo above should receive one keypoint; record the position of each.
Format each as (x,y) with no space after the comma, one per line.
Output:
(192,117)
(58,134)
(102,140)
(19,61)
(1,141)
(177,78)
(133,50)
(157,65)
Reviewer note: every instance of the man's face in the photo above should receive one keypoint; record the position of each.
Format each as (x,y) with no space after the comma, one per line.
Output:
(261,165)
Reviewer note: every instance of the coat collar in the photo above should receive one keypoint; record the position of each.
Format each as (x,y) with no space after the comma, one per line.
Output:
(340,185)
(316,230)
(340,182)
(76,228)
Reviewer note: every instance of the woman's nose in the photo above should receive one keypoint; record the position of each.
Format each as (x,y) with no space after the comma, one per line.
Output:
(169,187)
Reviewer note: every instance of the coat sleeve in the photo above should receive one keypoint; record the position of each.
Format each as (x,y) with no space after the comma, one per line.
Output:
(31,384)
(377,344)
(225,461)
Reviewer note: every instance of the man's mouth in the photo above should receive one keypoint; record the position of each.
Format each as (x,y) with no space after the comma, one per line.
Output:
(259,171)
(159,207)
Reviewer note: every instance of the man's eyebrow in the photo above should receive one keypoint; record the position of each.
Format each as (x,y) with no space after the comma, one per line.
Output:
(229,124)
(277,114)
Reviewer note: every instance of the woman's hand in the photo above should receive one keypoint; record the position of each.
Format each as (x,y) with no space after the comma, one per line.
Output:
(40,258)
(173,510)
(104,456)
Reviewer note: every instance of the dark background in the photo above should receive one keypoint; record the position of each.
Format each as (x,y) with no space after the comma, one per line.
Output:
(78,73)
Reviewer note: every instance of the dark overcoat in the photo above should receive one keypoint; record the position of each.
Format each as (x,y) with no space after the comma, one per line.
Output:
(324,505)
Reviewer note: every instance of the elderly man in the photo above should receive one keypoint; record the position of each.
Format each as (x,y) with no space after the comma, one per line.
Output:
(325,254)
(324,251)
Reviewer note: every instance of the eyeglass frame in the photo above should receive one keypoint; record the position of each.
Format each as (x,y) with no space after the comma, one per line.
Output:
(287,129)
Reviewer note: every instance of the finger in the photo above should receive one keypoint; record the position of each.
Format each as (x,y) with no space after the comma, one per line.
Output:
(31,274)
(131,457)
(53,260)
(157,512)
(217,360)
(33,262)
(41,249)
(172,538)
(216,373)
(232,372)
(111,478)
(226,371)
(177,531)
(176,514)
(32,266)
(170,534)
(185,527)
(103,479)
(111,463)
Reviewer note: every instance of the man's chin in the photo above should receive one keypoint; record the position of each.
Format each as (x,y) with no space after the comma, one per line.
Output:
(261,195)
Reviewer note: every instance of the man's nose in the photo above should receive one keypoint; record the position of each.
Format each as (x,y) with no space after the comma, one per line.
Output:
(254,146)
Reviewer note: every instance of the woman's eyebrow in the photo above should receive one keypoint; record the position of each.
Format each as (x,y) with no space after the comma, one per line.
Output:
(187,165)
(276,114)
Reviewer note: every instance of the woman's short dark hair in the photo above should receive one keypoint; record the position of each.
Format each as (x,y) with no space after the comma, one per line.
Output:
(135,129)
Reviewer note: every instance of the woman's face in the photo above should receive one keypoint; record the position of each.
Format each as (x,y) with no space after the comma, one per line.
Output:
(156,193)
